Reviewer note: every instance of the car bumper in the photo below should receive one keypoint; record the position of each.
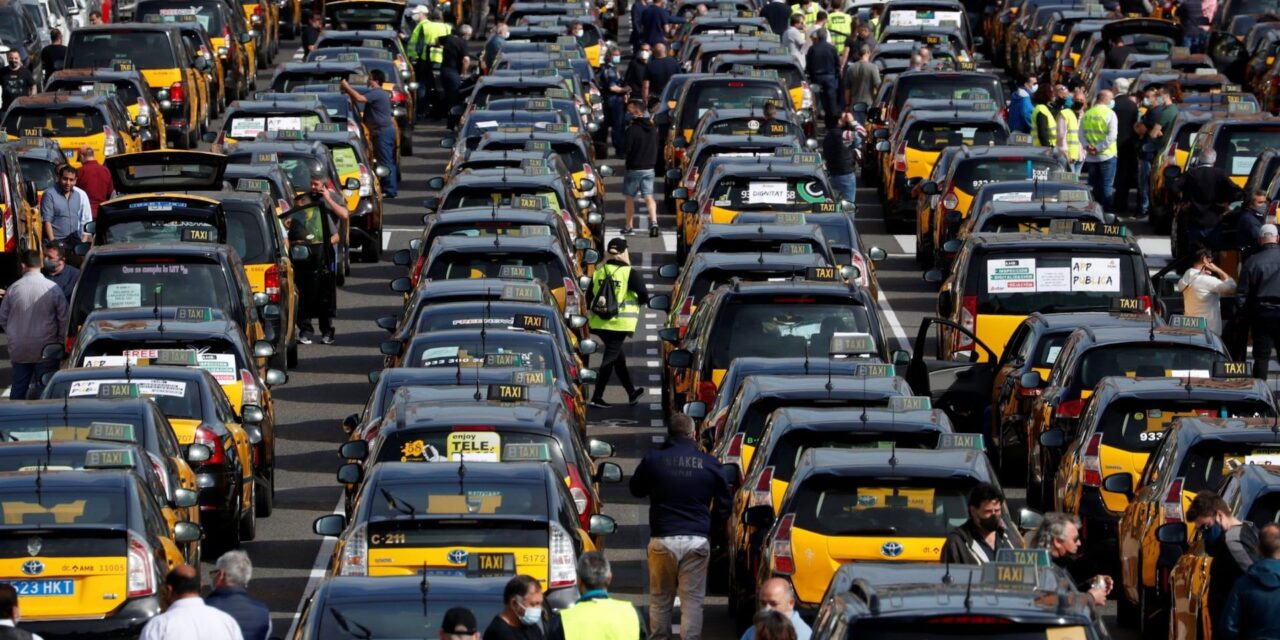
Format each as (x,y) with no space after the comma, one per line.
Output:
(217,490)
(126,622)
(562,598)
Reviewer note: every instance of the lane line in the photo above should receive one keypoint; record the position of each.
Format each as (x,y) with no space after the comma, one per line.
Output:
(907,243)
(894,325)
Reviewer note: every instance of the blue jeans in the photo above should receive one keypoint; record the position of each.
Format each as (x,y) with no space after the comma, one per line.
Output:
(846,186)
(830,98)
(386,148)
(1102,181)
(28,378)
(614,118)
(1144,187)
(450,86)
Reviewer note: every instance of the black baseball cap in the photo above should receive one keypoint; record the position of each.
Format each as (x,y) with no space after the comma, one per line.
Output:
(617,245)
(459,620)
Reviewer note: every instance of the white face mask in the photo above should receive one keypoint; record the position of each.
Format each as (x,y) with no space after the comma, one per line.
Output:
(644,55)
(531,616)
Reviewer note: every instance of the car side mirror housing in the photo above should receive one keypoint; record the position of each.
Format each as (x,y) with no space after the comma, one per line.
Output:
(586,184)
(582,244)
(271,312)
(1172,533)
(882,146)
(350,473)
(402,258)
(263,349)
(1030,380)
(669,271)
(660,302)
(389,348)
(351,184)
(689,206)
(669,335)
(934,276)
(260,299)
(436,183)
(1029,519)
(695,409)
(587,347)
(577,321)
(876,254)
(197,452)
(184,532)
(680,192)
(590,256)
(759,516)
(184,498)
(276,378)
(601,525)
(330,525)
(252,414)
(605,171)
(350,423)
(929,188)
(1053,439)
(402,285)
(599,449)
(53,351)
(680,359)
(1119,483)
(299,252)
(609,472)
(381,171)
(900,358)
(880,134)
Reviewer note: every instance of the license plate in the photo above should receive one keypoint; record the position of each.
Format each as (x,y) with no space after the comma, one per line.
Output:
(30,588)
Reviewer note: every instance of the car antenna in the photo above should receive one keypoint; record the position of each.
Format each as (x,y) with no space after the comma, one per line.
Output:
(423,588)
(806,357)
(829,386)
(893,453)
(462,474)
(1151,311)
(946,577)
(864,397)
(968,594)
(155,310)
(483,334)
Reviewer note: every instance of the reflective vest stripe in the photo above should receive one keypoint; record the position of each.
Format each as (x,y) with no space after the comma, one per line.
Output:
(1071,124)
(840,25)
(628,304)
(1095,129)
(1035,125)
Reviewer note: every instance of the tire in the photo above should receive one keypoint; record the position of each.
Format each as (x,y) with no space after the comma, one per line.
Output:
(247,527)
(1126,613)
(264,501)
(292,358)
(406,142)
(371,252)
(279,360)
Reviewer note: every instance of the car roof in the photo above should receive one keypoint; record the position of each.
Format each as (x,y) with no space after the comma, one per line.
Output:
(911,463)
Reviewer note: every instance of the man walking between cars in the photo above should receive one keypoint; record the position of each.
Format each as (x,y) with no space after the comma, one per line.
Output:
(688,499)
(617,291)
(33,313)
(231,595)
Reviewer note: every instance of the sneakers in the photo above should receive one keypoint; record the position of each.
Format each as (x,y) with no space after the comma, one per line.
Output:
(626,231)
(599,404)
(653,231)
(327,338)
(634,398)
(304,339)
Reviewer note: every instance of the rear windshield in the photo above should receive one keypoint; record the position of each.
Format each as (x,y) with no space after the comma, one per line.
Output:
(1208,461)
(177,398)
(84,505)
(247,126)
(1026,224)
(442,445)
(246,235)
(487,197)
(728,94)
(124,286)
(1051,282)
(876,629)
(712,278)
(770,194)
(948,87)
(39,172)
(66,121)
(924,508)
(460,266)
(782,326)
(216,355)
(156,231)
(207,15)
(479,498)
(285,82)
(44,427)
(757,414)
(490,228)
(126,89)
(572,155)
(971,174)
(145,49)
(931,136)
(434,320)
(1040,193)
(762,245)
(752,126)
(384,617)
(786,453)
(1240,148)
(527,352)
(479,124)
(1146,360)
(1140,425)
(788,74)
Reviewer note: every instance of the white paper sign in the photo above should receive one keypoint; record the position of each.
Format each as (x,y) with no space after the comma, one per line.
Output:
(221,365)
(487,124)
(284,123)
(1052,354)
(1053,279)
(1263,458)
(767,193)
(1188,373)
(1241,166)
(147,387)
(104,361)
(1015,275)
(124,294)
(247,127)
(1095,274)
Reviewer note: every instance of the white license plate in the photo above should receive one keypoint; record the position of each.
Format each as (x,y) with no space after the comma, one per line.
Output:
(32,588)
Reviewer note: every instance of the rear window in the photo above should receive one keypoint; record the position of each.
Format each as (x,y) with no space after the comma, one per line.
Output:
(126,89)
(752,126)
(890,629)
(1051,282)
(124,286)
(216,355)
(285,82)
(1238,149)
(495,446)
(145,49)
(938,136)
(41,428)
(247,126)
(537,354)
(770,194)
(1026,224)
(434,320)
(176,398)
(478,124)
(488,197)
(572,155)
(461,266)
(67,121)
(1140,425)
(926,508)
(1208,461)
(785,325)
(788,74)
(246,235)
(728,94)
(948,87)
(491,228)
(971,174)
(384,617)
(712,278)
(155,231)
(207,15)
(786,453)
(84,505)
(757,414)
(1146,360)
(478,497)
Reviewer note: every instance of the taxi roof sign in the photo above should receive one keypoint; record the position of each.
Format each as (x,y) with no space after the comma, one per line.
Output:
(537,104)
(294,135)
(508,392)
(960,441)
(537,203)
(875,370)
(266,157)
(1010,575)
(329,127)
(122,66)
(1018,137)
(845,344)
(1233,369)
(964,65)
(534,230)
(193,314)
(515,272)
(795,248)
(489,565)
(537,145)
(190,234)
(503,360)
(176,357)
(530,322)
(557,94)
(789,218)
(1127,305)
(253,185)
(533,162)
(109,459)
(1179,321)
(526,451)
(521,293)
(1095,228)
(117,390)
(539,378)
(1030,557)
(824,274)
(112,431)
(1073,195)
(910,403)
(1241,107)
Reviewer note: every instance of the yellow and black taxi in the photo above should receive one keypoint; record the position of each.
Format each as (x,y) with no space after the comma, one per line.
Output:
(425,292)
(87,550)
(1124,422)
(1003,599)
(963,84)
(536,255)
(249,178)
(500,87)
(1195,455)
(506,187)
(352,159)
(211,84)
(159,52)
(586,173)
(252,119)
(908,423)
(742,368)
(846,505)
(230,37)
(1060,188)
(1250,491)
(716,91)
(299,160)
(39,159)
(728,239)
(846,243)
(369,34)
(450,518)
(130,86)
(1090,354)
(692,173)
(774,61)
(1030,217)
(95,119)
(997,279)
(558,100)
(479,121)
(510,159)
(21,225)
(378,604)
(262,18)
(155,202)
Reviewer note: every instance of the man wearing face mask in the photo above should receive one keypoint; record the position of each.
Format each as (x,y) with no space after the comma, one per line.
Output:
(15,80)
(1020,105)
(1059,534)
(56,268)
(1068,126)
(1231,543)
(521,615)
(615,98)
(776,594)
(982,535)
(595,616)
(1098,133)
(634,77)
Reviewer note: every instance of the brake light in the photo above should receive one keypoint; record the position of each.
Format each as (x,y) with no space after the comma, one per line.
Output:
(706,213)
(900,157)
(142,580)
(1069,409)
(1090,463)
(861,265)
(257,18)
(271,283)
(581,496)
(417,269)
(250,393)
(71,342)
(691,180)
(782,561)
(1172,506)
(679,155)
(968,320)
(806,96)
(569,402)
(398,97)
(163,475)
(366,182)
(736,85)
(968,619)
(206,437)
(733,456)
(109,142)
(176,92)
(683,315)
(762,494)
(1145,301)
(950,201)
(1271,209)
(707,392)
(589,174)
(571,296)
(144,109)
(561,572)
(355,554)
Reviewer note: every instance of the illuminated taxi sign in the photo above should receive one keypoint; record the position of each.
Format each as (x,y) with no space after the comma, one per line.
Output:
(899,404)
(1242,107)
(530,322)
(291,135)
(537,104)
(533,163)
(806,158)
(962,65)
(503,360)
(269,157)
(112,431)
(536,145)
(562,64)
(508,392)
(117,390)
(1095,228)
(190,234)
(1188,322)
(527,378)
(557,94)
(348,57)
(1073,195)
(1230,88)
(960,441)
(843,344)
(789,218)
(490,565)
(536,203)
(795,248)
(785,152)
(826,274)
(1028,557)
(1127,305)
(329,127)
(825,207)
(122,66)
(1181,51)
(193,314)
(1233,369)
(33,142)
(253,185)
(109,459)
(534,230)
(515,272)
(1060,175)
(874,371)
(751,72)
(1010,575)
(521,293)
(176,357)
(33,133)
(371,43)
(1020,138)
(526,452)
(558,127)
(932,40)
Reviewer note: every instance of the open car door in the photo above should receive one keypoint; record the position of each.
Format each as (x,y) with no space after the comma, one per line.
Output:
(962,388)
(364,14)
(166,170)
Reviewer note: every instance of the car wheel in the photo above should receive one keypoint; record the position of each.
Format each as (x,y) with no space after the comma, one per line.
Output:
(264,501)
(371,251)
(291,359)
(406,142)
(248,525)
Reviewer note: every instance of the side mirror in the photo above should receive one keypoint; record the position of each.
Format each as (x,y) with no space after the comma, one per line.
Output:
(605,171)
(582,244)
(880,134)
(275,378)
(389,348)
(599,449)
(1171,172)
(1119,483)
(1172,533)
(431,203)
(299,252)
(374,376)
(1030,380)
(876,254)
(951,246)
(183,498)
(402,258)
(882,146)
(246,37)
(673,174)
(260,299)
(351,184)
(1029,519)
(456,110)
(934,276)
(82,249)
(590,256)
(584,282)
(583,203)
(689,206)
(350,473)
(587,347)
(436,183)
(759,516)
(254,433)
(810,144)
(595,219)
(184,532)
(271,312)
(263,349)
(1109,218)
(669,271)
(696,409)
(143,120)
(448,142)
(860,107)
(586,184)
(252,414)
(609,472)
(850,272)
(53,351)
(197,452)
(900,358)
(660,302)
(402,285)
(680,192)
(586,375)
(929,188)
(1053,439)
(330,525)
(602,525)
(203,64)
(680,359)
(577,321)
(669,335)
(381,171)
(679,143)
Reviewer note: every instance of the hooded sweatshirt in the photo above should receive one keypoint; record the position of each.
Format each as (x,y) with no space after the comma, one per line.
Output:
(641,145)
(1250,609)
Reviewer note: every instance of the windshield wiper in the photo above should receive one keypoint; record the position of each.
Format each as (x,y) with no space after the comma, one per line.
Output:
(346,625)
(399,505)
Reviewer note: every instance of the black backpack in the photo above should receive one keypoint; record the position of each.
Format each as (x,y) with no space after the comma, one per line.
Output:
(605,306)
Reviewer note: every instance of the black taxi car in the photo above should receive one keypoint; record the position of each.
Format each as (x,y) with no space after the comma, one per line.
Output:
(344,604)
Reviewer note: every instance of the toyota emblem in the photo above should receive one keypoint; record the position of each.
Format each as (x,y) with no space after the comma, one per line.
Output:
(891,549)
(33,567)
(458,556)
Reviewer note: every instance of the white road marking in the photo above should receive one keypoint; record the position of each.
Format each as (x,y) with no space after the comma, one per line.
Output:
(907,243)
(894,324)
(669,241)
(652,364)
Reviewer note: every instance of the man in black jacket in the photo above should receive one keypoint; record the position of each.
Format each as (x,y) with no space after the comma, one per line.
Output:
(231,596)
(680,482)
(982,535)
(1258,299)
(1126,143)
(640,148)
(822,64)
(1232,543)
(1205,191)
(778,14)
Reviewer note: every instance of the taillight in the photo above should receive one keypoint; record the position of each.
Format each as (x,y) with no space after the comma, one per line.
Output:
(733,456)
(257,16)
(176,92)
(590,174)
(968,320)
(683,315)
(679,155)
(782,561)
(1069,409)
(1090,463)
(417,269)
(762,493)
(142,582)
(706,212)
(570,402)
(207,437)
(571,298)
(950,201)
(71,342)
(398,97)
(109,142)
(271,282)
(861,265)
(691,180)
(1271,210)
(250,393)
(806,96)
(707,392)
(561,572)
(1172,506)
(144,109)
(1145,301)
(581,497)
(355,554)
(366,182)
(900,157)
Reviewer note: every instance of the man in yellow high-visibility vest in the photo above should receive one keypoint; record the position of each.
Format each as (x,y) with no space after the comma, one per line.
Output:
(595,615)
(1098,130)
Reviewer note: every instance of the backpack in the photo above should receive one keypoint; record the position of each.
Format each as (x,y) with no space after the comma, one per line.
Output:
(605,305)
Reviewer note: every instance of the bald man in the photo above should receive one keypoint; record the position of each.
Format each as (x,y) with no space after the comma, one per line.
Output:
(776,595)
(188,617)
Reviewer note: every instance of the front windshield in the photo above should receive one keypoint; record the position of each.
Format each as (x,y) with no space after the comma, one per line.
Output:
(785,325)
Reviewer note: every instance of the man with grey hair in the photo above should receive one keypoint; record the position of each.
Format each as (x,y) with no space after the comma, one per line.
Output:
(776,594)
(1059,534)
(595,615)
(822,64)
(1258,298)
(230,595)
